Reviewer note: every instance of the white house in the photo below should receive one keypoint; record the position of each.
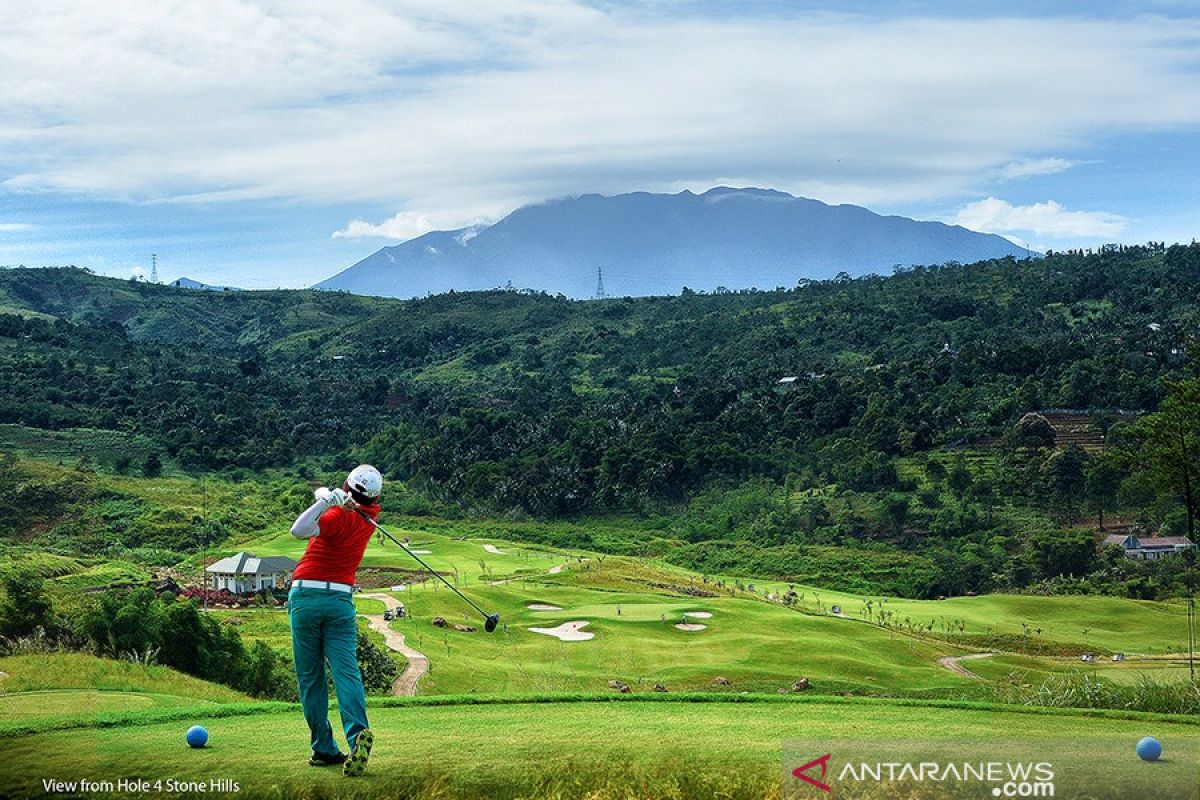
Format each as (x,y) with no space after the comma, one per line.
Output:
(1149,548)
(246,572)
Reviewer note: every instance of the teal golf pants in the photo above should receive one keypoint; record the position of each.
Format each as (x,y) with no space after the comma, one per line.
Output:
(324,630)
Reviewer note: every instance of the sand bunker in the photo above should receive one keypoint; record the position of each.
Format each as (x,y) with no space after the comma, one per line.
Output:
(698,614)
(568,632)
(557,568)
(543,607)
(421,552)
(491,548)
(690,626)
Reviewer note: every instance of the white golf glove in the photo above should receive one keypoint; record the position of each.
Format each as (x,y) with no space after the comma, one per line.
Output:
(331,497)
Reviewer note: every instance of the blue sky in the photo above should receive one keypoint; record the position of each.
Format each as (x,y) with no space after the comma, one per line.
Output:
(269,144)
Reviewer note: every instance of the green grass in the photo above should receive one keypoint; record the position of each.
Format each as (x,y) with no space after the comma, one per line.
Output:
(1026,669)
(71,702)
(61,689)
(365,605)
(259,624)
(98,575)
(757,646)
(1112,624)
(51,671)
(601,750)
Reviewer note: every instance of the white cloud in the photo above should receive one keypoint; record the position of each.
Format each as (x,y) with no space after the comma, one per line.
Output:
(408,225)
(1033,167)
(458,111)
(1049,219)
(404,225)
(16,227)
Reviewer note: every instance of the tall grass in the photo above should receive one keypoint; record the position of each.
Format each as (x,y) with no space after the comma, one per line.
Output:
(1084,690)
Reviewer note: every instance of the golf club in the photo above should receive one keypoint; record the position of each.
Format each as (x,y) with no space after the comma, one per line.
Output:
(491,620)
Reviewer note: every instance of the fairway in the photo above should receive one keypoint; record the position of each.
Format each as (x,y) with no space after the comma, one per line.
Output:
(1111,624)
(632,748)
(757,646)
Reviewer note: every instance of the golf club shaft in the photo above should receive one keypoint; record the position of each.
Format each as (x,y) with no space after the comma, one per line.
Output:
(421,561)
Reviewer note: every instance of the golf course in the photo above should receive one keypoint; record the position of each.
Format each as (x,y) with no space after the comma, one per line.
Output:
(522,712)
(688,547)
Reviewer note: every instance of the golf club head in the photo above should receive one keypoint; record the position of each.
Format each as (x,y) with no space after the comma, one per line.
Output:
(492,620)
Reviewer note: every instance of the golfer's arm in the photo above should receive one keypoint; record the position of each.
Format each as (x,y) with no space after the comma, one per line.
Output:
(306,525)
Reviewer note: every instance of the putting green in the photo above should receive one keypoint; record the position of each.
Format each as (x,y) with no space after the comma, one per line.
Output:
(628,749)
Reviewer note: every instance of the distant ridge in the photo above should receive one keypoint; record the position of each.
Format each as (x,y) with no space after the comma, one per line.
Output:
(657,244)
(188,283)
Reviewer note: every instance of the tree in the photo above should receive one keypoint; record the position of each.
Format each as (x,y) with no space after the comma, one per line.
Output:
(958,480)
(1063,473)
(26,606)
(1170,447)
(261,678)
(378,669)
(1034,430)
(895,511)
(152,467)
(1062,552)
(1102,481)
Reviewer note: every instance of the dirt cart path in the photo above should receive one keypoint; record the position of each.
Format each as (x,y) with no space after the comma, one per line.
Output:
(951,663)
(418,663)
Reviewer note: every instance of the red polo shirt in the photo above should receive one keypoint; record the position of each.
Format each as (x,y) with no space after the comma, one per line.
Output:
(335,553)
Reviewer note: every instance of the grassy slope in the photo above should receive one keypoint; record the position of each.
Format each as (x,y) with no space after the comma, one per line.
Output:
(62,688)
(598,749)
(1113,623)
(39,672)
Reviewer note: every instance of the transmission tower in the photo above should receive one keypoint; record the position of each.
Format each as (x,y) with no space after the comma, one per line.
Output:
(600,295)
(153,268)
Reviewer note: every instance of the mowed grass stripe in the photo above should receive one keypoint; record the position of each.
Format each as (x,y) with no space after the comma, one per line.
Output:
(507,750)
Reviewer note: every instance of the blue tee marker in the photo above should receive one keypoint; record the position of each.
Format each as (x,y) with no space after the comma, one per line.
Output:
(1149,749)
(198,737)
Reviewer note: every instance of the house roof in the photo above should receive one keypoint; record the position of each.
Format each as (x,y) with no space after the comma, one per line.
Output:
(244,563)
(1149,541)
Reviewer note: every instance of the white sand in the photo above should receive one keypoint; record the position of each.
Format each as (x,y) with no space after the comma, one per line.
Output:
(567,632)
(698,614)
(543,607)
(557,568)
(690,626)
(491,548)
(421,552)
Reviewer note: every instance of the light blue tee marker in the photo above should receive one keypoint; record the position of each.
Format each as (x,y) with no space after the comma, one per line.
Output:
(1149,749)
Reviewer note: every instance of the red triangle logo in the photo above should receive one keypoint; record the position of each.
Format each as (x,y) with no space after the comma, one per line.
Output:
(823,762)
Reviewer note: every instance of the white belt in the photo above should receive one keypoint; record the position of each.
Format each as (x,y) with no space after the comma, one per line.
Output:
(337,587)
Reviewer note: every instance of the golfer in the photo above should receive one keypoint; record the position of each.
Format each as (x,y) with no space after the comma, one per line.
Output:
(321,608)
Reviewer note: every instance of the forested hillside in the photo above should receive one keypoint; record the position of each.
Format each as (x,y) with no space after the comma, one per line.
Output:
(511,402)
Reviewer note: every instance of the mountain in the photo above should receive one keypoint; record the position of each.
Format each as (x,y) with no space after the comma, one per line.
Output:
(656,244)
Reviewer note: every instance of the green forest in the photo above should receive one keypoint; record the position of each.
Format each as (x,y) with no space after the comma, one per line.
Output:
(880,434)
